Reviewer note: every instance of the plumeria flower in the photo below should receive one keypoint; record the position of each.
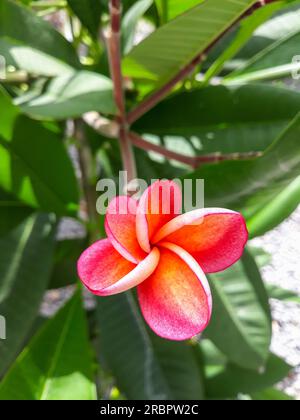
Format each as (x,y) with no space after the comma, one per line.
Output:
(165,255)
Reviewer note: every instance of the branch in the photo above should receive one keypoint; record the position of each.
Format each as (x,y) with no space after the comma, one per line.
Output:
(17,77)
(150,147)
(256,6)
(113,44)
(114,53)
(194,161)
(161,93)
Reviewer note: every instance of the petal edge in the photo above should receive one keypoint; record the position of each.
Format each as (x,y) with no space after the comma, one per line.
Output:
(215,237)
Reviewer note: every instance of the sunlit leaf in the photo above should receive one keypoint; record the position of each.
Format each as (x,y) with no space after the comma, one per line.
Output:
(163,53)
(32,44)
(71,96)
(57,363)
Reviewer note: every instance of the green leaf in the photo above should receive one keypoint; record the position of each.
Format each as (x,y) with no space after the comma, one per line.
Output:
(25,266)
(282,23)
(12,212)
(8,115)
(64,271)
(88,12)
(169,9)
(272,73)
(276,210)
(70,96)
(145,367)
(222,119)
(276,60)
(31,176)
(57,363)
(249,186)
(252,271)
(160,56)
(278,293)
(261,256)
(241,321)
(130,21)
(246,29)
(32,44)
(234,380)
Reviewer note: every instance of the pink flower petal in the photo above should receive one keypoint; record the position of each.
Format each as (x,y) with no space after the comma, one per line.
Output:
(216,238)
(160,203)
(105,272)
(120,228)
(176,299)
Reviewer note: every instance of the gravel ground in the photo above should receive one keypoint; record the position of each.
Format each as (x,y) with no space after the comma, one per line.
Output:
(283,243)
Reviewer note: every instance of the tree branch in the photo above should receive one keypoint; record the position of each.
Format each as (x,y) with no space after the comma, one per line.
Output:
(194,161)
(114,53)
(161,93)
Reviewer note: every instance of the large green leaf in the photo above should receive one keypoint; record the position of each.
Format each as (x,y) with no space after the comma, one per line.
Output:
(34,162)
(251,185)
(25,266)
(89,12)
(12,212)
(72,95)
(57,363)
(222,119)
(31,43)
(145,367)
(169,9)
(174,45)
(241,321)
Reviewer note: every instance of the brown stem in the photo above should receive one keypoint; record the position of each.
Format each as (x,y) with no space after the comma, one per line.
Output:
(161,93)
(196,161)
(127,155)
(114,53)
(150,147)
(256,6)
(113,43)
(17,77)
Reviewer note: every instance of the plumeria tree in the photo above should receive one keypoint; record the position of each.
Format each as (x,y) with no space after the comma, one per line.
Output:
(167,91)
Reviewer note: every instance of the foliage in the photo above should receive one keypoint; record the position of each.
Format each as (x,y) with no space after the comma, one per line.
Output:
(236,109)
